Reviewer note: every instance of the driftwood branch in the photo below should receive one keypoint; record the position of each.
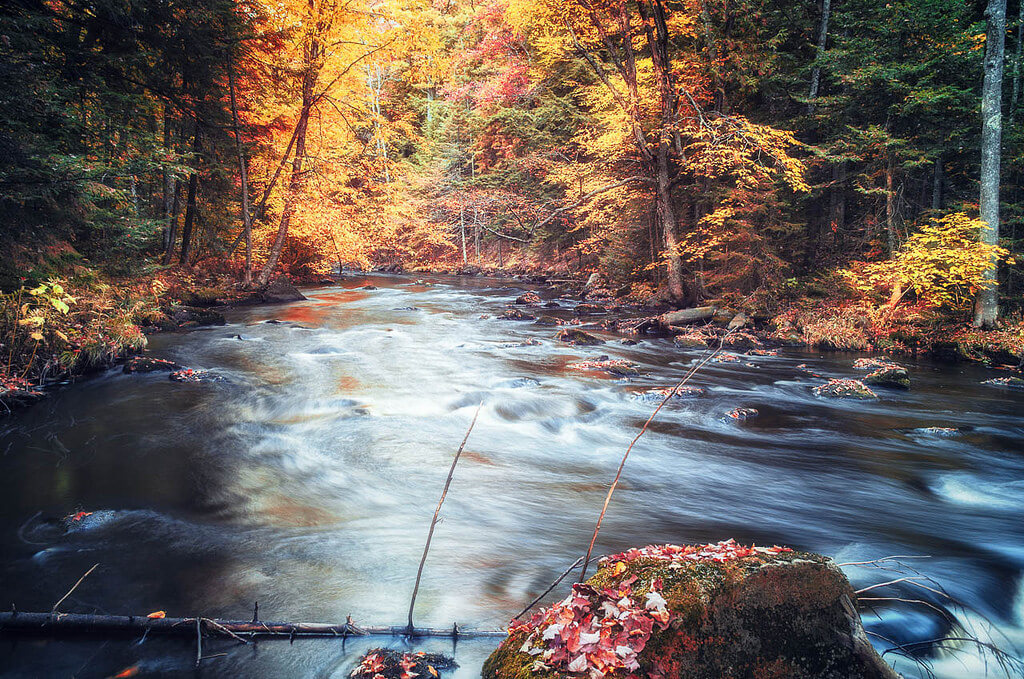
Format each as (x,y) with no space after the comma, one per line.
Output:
(672,392)
(54,624)
(433,522)
(73,588)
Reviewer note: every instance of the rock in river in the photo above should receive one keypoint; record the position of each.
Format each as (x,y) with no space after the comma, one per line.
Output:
(281,291)
(700,611)
(574,336)
(853,389)
(516,315)
(145,364)
(892,376)
(528,298)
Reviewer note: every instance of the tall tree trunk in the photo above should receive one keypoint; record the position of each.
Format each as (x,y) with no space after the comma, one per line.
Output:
(826,9)
(172,227)
(169,186)
(462,232)
(1018,59)
(986,307)
(294,190)
(937,185)
(190,202)
(311,70)
(657,38)
(890,206)
(243,175)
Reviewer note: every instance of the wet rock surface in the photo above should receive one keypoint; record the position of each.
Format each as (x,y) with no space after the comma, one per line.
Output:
(388,663)
(145,364)
(850,389)
(891,376)
(701,612)
(578,337)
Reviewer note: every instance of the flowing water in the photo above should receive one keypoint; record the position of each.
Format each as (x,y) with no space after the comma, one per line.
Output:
(306,478)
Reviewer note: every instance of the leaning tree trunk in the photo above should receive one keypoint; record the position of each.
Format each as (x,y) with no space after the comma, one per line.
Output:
(294,190)
(986,306)
(242,175)
(309,77)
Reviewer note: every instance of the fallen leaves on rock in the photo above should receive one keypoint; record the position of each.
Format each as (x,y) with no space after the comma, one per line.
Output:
(601,632)
(385,663)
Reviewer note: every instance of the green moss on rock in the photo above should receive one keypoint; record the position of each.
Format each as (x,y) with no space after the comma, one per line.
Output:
(762,616)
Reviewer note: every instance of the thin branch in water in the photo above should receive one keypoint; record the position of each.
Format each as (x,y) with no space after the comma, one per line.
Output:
(433,522)
(554,584)
(54,609)
(672,392)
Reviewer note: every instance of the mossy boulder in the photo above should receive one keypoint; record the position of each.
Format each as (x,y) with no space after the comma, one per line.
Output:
(891,376)
(1006,382)
(574,336)
(691,340)
(850,389)
(698,612)
(146,364)
(281,291)
(516,315)
(529,299)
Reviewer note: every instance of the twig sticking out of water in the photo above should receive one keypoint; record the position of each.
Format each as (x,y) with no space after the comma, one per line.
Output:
(672,392)
(54,609)
(1009,663)
(554,584)
(433,522)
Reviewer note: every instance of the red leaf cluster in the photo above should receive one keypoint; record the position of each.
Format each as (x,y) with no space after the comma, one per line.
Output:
(384,663)
(595,631)
(720,552)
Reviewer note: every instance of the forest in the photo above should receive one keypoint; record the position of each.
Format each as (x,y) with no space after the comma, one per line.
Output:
(827,168)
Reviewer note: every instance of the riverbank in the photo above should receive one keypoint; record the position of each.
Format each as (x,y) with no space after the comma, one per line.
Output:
(69,328)
(808,317)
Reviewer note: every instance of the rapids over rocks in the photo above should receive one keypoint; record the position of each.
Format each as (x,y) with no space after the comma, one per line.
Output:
(305,477)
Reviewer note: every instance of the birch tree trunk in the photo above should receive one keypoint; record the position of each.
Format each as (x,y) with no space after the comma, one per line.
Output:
(986,306)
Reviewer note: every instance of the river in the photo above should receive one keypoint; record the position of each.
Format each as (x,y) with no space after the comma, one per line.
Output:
(306,479)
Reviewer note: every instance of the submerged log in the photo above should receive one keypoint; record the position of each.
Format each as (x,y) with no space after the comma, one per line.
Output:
(53,624)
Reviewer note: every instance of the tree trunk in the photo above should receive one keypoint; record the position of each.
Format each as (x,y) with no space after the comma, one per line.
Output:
(311,62)
(826,8)
(986,307)
(657,38)
(172,227)
(242,176)
(294,189)
(169,185)
(190,202)
(1018,58)
(890,207)
(937,185)
(462,232)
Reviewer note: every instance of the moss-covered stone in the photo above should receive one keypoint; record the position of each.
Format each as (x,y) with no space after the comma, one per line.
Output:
(762,616)
(574,336)
(891,376)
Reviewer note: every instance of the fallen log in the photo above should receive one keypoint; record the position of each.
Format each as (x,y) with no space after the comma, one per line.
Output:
(684,316)
(53,624)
